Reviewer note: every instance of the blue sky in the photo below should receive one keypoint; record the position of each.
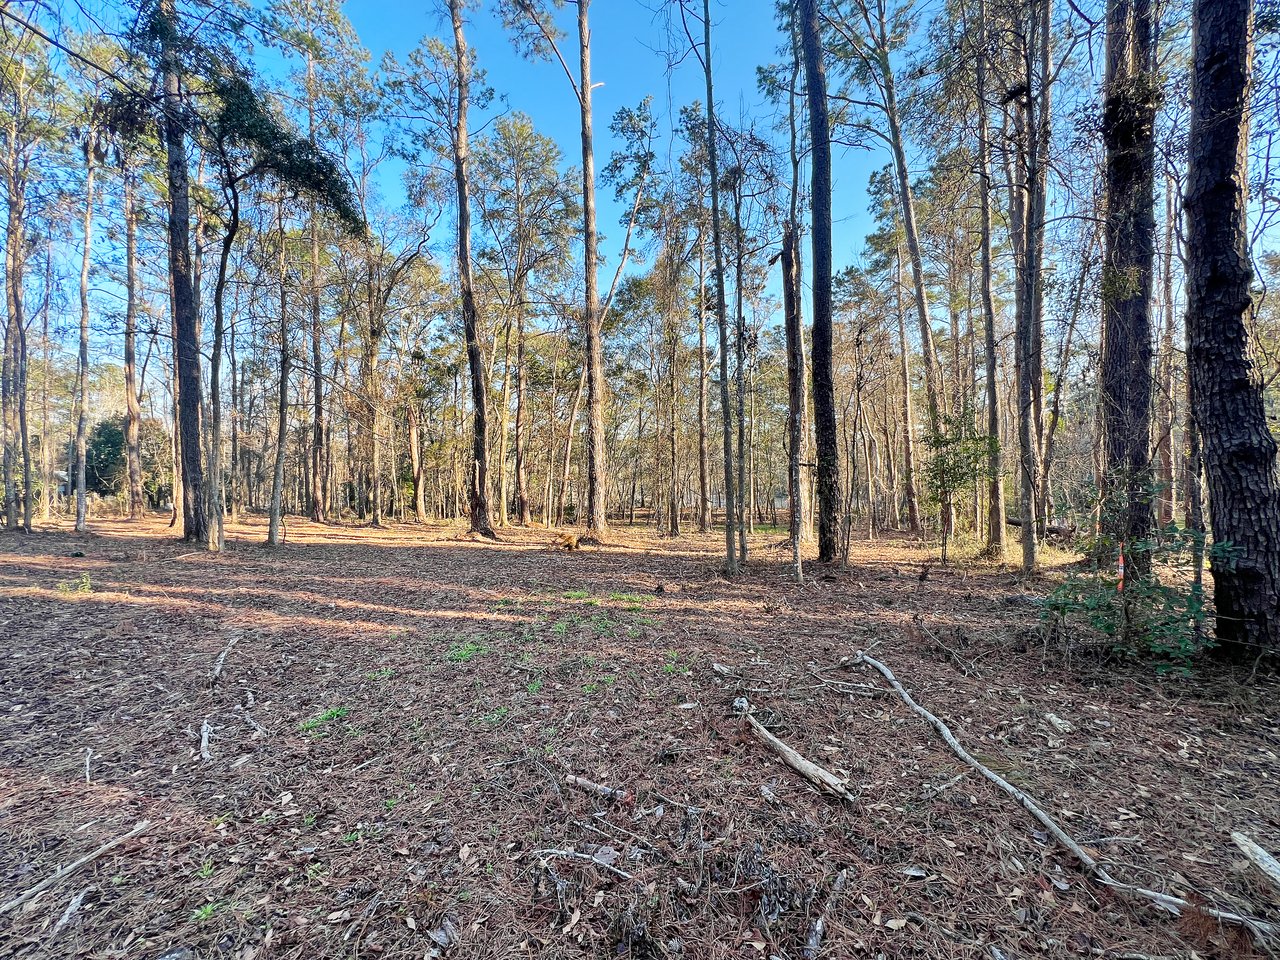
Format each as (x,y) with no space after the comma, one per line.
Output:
(628,63)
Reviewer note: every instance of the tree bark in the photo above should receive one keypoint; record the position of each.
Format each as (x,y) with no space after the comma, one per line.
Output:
(133,409)
(1131,93)
(276,509)
(722,320)
(995,467)
(185,309)
(481,522)
(824,398)
(82,412)
(1226,396)
(597,478)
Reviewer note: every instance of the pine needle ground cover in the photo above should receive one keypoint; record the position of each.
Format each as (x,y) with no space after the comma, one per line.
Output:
(405,743)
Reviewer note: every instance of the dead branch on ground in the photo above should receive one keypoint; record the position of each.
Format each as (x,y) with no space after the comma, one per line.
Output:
(1173,904)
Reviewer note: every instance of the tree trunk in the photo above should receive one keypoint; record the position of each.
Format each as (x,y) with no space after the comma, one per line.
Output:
(1128,131)
(276,510)
(133,409)
(995,467)
(479,488)
(908,418)
(795,386)
(704,456)
(524,513)
(1226,396)
(185,308)
(597,478)
(824,397)
(82,417)
(722,320)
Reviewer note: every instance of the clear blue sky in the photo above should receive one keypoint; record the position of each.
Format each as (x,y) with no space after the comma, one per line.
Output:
(628,63)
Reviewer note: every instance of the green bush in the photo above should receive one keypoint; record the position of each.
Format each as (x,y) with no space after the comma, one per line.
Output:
(1158,617)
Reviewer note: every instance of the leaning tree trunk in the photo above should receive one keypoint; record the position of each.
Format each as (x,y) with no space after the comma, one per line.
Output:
(824,396)
(1128,131)
(1226,396)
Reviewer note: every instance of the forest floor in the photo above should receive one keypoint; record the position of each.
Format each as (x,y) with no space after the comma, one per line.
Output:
(388,743)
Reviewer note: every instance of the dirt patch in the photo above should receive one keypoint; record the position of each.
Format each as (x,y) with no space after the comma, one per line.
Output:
(388,741)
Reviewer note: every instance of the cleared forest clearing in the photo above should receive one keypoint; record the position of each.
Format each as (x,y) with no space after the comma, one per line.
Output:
(388,721)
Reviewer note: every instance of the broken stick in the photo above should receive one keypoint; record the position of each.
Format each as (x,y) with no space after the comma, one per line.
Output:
(62,873)
(1165,901)
(820,777)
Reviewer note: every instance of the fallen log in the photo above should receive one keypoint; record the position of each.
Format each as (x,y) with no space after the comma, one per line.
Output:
(1173,904)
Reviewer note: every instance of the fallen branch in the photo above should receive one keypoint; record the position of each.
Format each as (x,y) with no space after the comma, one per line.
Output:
(216,674)
(1265,862)
(64,872)
(206,731)
(820,777)
(590,786)
(1173,904)
(575,855)
(813,945)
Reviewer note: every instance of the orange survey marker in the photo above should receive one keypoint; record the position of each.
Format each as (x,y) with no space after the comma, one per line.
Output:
(1120,567)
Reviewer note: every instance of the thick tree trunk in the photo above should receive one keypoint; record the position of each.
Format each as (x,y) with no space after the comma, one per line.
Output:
(1226,397)
(1131,93)
(481,522)
(186,312)
(824,397)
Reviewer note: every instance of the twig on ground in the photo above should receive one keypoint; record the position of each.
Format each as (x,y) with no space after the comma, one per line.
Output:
(1265,862)
(1174,904)
(820,777)
(575,855)
(813,945)
(206,731)
(62,873)
(216,674)
(70,912)
(600,789)
(931,792)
